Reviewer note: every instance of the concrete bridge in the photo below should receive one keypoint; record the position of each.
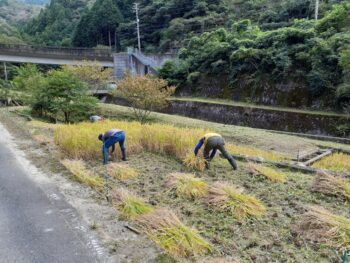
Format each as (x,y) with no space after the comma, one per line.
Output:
(133,60)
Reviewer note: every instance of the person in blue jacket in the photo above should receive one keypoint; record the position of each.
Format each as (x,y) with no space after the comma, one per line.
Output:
(213,142)
(109,139)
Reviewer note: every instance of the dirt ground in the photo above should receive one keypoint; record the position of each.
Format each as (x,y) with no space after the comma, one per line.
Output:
(268,239)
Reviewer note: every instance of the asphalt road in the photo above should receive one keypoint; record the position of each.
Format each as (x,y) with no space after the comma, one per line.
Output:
(33,227)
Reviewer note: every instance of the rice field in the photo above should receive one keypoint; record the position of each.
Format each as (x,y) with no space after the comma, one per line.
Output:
(338,162)
(255,214)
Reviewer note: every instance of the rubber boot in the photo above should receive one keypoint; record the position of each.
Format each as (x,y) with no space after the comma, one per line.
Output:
(233,164)
(124,155)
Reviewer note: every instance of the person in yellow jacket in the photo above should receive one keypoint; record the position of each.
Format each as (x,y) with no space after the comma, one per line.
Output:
(213,142)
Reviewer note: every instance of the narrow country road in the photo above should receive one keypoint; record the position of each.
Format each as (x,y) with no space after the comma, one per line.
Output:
(36,227)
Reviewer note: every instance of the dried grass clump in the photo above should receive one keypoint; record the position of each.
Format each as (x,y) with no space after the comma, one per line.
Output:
(267,172)
(231,199)
(121,171)
(338,162)
(217,260)
(129,205)
(331,185)
(321,226)
(254,152)
(82,175)
(194,162)
(165,228)
(42,139)
(186,185)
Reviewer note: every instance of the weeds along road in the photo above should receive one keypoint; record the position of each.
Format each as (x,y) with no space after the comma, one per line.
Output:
(37,225)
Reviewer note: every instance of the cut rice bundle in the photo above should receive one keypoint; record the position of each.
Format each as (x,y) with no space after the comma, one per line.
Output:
(331,185)
(82,175)
(129,205)
(121,171)
(165,229)
(321,226)
(193,162)
(186,185)
(231,199)
(267,172)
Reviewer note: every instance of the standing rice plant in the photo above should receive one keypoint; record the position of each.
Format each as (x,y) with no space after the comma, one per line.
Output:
(129,205)
(121,171)
(186,185)
(331,185)
(269,173)
(82,175)
(193,162)
(323,227)
(338,162)
(231,199)
(166,230)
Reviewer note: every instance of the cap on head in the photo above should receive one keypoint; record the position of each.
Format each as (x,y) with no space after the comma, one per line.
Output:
(100,137)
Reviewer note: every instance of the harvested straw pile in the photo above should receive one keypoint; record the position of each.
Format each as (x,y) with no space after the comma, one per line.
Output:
(186,185)
(231,199)
(338,162)
(121,171)
(165,228)
(331,185)
(321,226)
(129,205)
(267,172)
(82,175)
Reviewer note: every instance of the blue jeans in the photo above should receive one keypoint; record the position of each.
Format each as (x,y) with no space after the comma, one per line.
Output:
(110,142)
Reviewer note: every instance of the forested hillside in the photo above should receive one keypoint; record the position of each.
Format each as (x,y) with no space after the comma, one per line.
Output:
(13,13)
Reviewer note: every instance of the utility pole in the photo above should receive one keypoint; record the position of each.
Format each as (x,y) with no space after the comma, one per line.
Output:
(5,70)
(136,8)
(317,4)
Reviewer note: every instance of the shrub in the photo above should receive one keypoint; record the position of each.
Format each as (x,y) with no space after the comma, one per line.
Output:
(231,199)
(82,175)
(129,205)
(267,172)
(331,185)
(121,171)
(165,228)
(321,226)
(339,162)
(145,94)
(186,185)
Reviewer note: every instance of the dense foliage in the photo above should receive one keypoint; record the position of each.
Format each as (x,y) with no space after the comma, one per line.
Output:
(294,66)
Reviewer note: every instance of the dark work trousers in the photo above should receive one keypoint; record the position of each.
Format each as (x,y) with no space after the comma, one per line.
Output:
(218,143)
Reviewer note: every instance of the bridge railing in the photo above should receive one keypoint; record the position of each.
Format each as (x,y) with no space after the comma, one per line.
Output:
(87,53)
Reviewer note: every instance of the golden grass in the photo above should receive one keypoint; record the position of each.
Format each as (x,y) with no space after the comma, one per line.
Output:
(186,185)
(321,226)
(269,173)
(231,199)
(129,205)
(338,162)
(82,175)
(331,185)
(254,152)
(166,230)
(121,171)
(194,162)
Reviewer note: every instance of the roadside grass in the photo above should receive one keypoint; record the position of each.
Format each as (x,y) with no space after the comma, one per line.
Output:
(166,230)
(331,185)
(121,172)
(186,185)
(323,227)
(231,199)
(82,175)
(129,205)
(269,173)
(338,162)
